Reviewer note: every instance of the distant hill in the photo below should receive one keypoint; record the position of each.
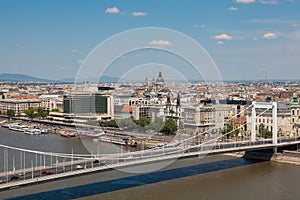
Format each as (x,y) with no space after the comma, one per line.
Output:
(6,77)
(103,79)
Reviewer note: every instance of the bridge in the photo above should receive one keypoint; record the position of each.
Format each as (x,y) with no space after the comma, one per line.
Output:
(39,166)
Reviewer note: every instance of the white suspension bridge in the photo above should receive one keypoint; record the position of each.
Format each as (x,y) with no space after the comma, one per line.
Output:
(38,166)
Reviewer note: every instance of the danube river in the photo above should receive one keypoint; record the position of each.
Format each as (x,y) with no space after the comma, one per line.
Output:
(213,177)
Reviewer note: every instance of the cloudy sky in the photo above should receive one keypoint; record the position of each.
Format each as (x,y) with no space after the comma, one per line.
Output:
(247,39)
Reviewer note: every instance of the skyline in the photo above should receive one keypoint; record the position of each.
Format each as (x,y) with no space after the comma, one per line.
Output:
(247,39)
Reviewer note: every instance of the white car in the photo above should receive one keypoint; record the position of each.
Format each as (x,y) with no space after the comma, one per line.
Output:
(22,173)
(3,181)
(79,167)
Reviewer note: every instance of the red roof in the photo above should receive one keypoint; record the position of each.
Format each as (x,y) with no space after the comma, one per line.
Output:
(127,109)
(241,120)
(24,97)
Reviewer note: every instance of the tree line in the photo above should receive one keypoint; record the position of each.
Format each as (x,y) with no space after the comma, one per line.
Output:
(168,127)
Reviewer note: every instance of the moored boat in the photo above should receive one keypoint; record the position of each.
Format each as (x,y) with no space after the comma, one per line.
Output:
(17,127)
(32,131)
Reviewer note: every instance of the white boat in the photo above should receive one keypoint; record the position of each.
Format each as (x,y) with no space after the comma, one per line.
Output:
(32,131)
(17,127)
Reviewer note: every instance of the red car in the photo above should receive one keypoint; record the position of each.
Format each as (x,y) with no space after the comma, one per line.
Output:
(47,172)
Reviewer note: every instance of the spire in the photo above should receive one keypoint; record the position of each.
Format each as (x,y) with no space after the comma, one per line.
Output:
(146,81)
(169,99)
(178,99)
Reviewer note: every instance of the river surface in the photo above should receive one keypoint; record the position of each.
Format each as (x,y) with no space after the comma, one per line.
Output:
(214,177)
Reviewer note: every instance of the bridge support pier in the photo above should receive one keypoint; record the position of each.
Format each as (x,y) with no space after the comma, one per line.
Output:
(275,149)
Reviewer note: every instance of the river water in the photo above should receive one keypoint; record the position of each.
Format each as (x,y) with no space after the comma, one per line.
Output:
(214,177)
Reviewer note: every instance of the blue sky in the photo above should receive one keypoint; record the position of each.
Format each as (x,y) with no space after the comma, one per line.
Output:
(247,39)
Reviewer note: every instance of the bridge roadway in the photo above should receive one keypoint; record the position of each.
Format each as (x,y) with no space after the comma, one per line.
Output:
(108,162)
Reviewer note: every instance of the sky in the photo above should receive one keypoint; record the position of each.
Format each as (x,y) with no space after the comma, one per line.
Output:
(246,39)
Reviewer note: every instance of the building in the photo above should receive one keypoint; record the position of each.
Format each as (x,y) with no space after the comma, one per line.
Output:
(141,108)
(96,104)
(50,102)
(19,104)
(295,115)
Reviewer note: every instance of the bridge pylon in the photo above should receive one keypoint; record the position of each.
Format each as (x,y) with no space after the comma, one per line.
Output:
(264,105)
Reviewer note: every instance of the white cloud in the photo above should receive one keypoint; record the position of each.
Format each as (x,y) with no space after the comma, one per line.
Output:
(244,1)
(294,25)
(272,21)
(222,36)
(74,50)
(233,8)
(269,36)
(160,42)
(269,1)
(139,14)
(220,43)
(113,10)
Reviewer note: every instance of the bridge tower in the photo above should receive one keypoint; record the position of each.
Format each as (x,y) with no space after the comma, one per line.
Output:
(264,105)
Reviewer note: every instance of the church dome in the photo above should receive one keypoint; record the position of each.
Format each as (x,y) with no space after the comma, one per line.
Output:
(160,78)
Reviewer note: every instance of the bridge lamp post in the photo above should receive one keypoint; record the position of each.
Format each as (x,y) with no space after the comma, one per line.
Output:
(31,169)
(56,165)
(24,166)
(51,160)
(44,162)
(14,169)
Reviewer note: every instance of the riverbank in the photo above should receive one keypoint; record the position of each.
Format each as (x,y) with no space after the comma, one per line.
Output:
(286,156)
(290,157)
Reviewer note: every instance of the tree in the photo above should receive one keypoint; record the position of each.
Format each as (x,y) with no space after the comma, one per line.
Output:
(54,110)
(30,112)
(170,127)
(36,112)
(142,122)
(264,132)
(10,113)
(110,123)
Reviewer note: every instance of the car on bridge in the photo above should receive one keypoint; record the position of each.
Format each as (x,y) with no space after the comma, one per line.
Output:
(47,172)
(96,161)
(22,173)
(79,167)
(13,178)
(3,181)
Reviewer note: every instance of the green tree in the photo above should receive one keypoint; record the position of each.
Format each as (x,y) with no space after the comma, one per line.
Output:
(264,132)
(170,127)
(142,122)
(10,113)
(110,123)
(30,112)
(54,110)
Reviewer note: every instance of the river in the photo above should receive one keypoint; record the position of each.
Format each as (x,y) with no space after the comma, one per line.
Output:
(214,177)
